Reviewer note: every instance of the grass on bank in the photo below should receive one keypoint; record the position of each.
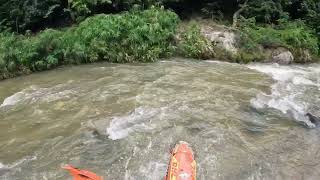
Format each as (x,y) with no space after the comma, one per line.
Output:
(142,36)
(294,36)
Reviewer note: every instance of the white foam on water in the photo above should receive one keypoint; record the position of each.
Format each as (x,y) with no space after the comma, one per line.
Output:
(153,170)
(303,81)
(23,160)
(34,94)
(17,97)
(12,100)
(139,120)
(290,84)
(214,61)
(277,72)
(17,163)
(2,166)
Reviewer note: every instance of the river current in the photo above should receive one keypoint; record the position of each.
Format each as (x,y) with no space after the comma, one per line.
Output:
(244,122)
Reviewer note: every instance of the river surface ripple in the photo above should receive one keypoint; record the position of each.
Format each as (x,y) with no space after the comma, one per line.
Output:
(120,120)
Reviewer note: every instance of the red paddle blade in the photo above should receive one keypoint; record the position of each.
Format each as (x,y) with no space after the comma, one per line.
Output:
(79,174)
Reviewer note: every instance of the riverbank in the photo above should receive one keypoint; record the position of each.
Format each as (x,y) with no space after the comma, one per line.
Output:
(149,35)
(205,39)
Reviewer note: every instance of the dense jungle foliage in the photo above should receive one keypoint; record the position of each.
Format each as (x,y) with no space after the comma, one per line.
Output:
(127,37)
(34,14)
(137,35)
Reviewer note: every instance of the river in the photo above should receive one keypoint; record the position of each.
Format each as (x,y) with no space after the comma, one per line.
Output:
(244,122)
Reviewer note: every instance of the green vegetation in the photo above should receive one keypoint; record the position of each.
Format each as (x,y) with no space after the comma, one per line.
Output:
(292,37)
(297,22)
(124,31)
(193,44)
(295,36)
(19,16)
(142,36)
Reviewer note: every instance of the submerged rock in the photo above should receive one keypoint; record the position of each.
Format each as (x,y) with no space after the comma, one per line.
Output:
(315,120)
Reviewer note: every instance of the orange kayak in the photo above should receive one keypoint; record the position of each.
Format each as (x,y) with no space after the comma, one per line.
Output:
(182,165)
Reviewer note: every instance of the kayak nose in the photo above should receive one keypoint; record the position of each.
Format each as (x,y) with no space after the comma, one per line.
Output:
(184,147)
(182,165)
(183,142)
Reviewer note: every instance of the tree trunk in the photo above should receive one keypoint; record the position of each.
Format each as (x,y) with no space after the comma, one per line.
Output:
(238,12)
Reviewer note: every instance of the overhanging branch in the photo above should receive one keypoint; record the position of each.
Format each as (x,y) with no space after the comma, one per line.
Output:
(238,12)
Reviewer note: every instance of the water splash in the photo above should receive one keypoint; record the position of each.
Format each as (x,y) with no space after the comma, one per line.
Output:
(290,87)
(34,94)
(7,168)
(154,170)
(139,120)
(18,97)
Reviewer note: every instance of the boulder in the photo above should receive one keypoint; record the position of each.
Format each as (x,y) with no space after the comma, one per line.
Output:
(314,119)
(283,58)
(280,56)
(221,37)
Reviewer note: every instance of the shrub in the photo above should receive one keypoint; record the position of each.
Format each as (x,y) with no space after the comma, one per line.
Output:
(10,46)
(193,44)
(142,36)
(292,35)
(247,57)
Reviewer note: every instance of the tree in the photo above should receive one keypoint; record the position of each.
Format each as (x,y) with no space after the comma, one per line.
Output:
(238,12)
(20,15)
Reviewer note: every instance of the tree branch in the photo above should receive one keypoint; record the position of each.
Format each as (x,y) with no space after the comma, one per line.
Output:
(238,12)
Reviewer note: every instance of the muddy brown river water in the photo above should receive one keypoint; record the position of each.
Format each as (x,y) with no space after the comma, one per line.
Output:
(244,122)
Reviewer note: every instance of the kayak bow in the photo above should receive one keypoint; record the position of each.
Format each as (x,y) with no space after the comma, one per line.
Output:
(182,165)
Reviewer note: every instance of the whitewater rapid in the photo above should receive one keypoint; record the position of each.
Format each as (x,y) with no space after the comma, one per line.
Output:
(33,94)
(121,120)
(291,91)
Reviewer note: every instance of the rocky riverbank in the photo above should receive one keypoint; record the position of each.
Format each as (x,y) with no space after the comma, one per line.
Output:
(223,42)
